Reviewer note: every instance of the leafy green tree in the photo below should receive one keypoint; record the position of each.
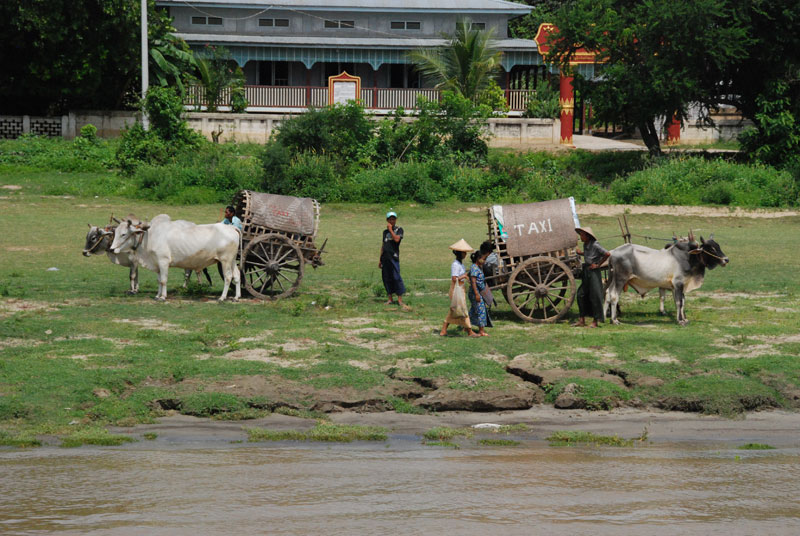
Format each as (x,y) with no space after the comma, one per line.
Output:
(658,55)
(465,66)
(171,61)
(57,55)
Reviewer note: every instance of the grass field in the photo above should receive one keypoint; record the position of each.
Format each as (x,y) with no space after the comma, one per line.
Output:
(76,352)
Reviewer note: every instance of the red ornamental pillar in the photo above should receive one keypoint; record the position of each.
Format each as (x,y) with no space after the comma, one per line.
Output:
(674,132)
(567,101)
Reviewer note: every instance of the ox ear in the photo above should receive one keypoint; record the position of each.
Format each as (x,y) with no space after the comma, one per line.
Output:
(711,237)
(90,225)
(143,226)
(129,222)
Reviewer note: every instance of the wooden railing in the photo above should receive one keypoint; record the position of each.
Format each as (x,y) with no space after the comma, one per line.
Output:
(305,96)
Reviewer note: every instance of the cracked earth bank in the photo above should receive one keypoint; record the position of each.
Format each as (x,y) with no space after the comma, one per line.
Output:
(524,388)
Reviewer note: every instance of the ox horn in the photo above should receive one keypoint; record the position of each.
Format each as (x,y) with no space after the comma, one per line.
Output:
(90,225)
(691,236)
(115,220)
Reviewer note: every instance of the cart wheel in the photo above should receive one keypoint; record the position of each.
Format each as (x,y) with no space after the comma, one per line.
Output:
(541,289)
(272,267)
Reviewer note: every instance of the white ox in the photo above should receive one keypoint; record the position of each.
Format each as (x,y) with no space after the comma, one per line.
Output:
(98,240)
(679,267)
(163,243)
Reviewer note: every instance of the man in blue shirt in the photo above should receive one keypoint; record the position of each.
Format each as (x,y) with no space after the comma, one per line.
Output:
(231,219)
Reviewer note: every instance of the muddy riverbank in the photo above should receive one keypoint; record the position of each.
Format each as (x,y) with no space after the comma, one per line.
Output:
(777,428)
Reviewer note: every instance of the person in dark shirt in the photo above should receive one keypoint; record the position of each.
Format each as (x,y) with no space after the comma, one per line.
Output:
(389,262)
(590,293)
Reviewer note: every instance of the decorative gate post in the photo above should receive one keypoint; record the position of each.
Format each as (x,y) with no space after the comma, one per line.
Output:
(567,101)
(674,132)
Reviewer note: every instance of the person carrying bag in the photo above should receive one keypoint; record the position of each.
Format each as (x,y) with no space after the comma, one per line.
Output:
(458,313)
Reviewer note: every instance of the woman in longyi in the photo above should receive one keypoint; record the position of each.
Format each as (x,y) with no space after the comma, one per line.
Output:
(458,313)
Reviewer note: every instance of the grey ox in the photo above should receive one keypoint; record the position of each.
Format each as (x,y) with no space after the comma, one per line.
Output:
(163,243)
(98,240)
(679,267)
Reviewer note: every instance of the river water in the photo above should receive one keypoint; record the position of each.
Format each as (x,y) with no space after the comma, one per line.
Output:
(400,487)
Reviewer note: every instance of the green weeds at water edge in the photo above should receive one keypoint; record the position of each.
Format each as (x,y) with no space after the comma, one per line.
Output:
(327,432)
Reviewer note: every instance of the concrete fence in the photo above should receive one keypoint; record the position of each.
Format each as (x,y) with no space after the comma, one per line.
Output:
(257,128)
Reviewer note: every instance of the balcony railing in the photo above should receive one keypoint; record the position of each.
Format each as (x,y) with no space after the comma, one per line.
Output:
(287,97)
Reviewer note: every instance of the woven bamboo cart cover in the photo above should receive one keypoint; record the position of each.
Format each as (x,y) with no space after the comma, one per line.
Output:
(282,213)
(536,228)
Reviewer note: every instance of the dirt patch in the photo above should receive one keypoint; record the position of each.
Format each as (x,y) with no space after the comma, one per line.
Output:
(778,339)
(262,355)
(666,359)
(352,322)
(359,364)
(497,357)
(112,340)
(152,323)
(389,346)
(669,210)
(19,248)
(735,295)
(16,343)
(11,187)
(358,331)
(13,305)
(263,336)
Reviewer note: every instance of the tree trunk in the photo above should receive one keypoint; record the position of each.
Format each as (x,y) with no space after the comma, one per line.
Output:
(650,137)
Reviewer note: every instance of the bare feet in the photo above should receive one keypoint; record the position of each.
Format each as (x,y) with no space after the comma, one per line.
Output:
(484,334)
(593,325)
(473,334)
(443,334)
(405,307)
(390,302)
(579,325)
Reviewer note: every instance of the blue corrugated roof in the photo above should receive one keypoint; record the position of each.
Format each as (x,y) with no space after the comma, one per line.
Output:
(449,6)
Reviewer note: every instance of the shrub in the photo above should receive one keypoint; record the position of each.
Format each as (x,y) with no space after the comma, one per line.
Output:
(415,181)
(339,131)
(89,133)
(209,174)
(543,103)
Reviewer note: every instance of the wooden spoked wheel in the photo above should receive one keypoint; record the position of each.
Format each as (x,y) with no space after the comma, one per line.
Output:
(541,289)
(272,267)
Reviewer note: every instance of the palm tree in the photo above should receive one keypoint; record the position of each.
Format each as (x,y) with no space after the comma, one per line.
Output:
(465,66)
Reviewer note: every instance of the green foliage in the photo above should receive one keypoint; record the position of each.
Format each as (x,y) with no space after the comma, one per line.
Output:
(55,154)
(209,173)
(168,136)
(543,103)
(170,60)
(208,404)
(339,131)
(326,432)
(85,58)
(571,438)
(755,446)
(445,433)
(695,181)
(775,139)
(493,97)
(598,394)
(217,71)
(94,436)
(465,65)
(645,75)
(89,133)
(22,440)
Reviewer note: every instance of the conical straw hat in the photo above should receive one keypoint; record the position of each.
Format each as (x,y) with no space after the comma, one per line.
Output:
(587,230)
(462,245)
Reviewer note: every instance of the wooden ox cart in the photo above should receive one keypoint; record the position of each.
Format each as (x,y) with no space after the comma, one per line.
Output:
(278,234)
(538,263)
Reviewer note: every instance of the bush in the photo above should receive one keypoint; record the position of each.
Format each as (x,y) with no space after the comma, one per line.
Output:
(543,103)
(692,181)
(414,181)
(339,131)
(56,154)
(210,174)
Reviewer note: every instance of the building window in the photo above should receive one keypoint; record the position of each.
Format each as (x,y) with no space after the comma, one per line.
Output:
(215,21)
(340,24)
(405,25)
(280,23)
(473,26)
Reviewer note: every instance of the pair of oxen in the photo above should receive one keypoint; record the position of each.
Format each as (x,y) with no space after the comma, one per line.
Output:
(679,267)
(162,243)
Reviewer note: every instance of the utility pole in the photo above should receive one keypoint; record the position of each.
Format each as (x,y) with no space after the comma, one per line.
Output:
(145,73)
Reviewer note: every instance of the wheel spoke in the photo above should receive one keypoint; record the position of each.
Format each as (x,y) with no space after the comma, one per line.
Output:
(523,284)
(288,252)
